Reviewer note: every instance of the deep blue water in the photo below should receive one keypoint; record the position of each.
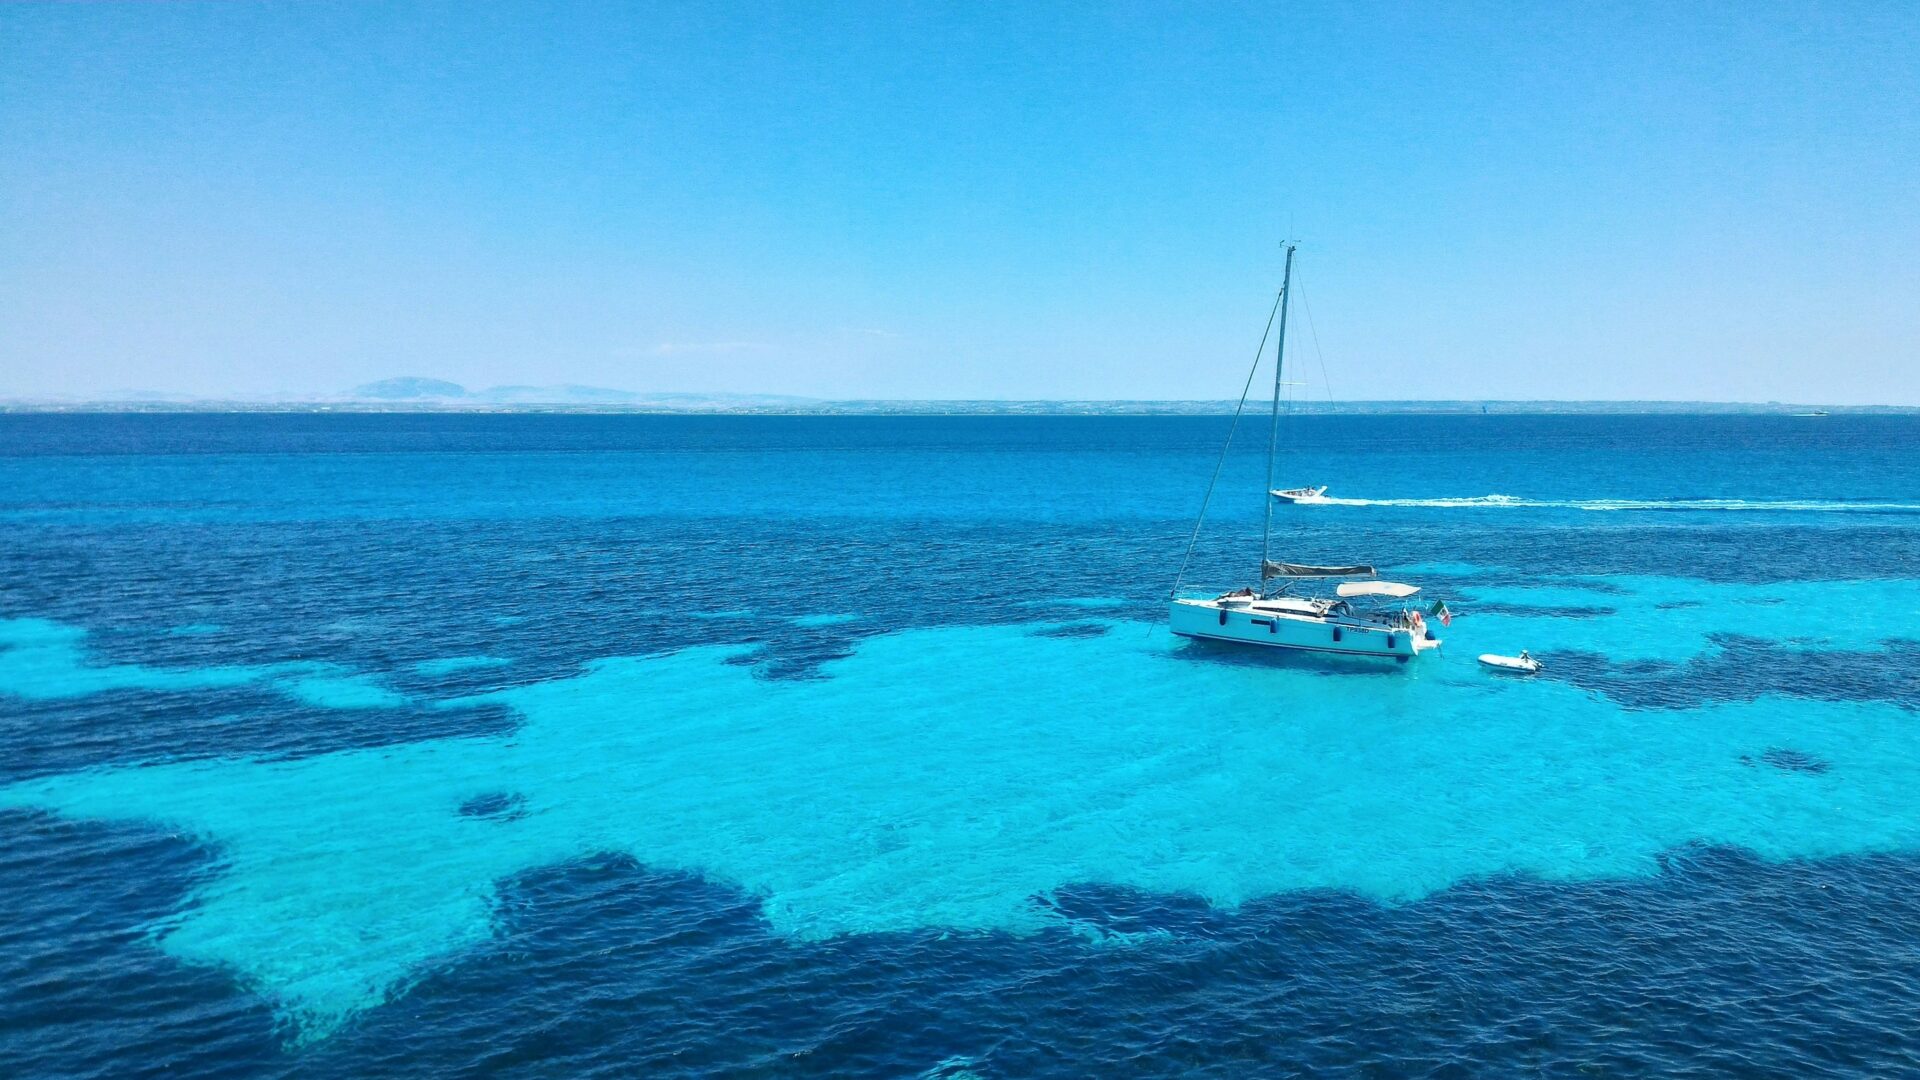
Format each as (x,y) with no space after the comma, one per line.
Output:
(560,745)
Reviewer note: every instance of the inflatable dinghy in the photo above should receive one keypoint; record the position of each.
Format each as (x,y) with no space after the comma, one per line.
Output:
(1522,664)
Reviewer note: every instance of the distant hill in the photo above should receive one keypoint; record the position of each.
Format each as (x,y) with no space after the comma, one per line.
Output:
(441,392)
(409,388)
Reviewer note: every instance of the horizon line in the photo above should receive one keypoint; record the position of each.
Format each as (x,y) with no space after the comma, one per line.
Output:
(746,404)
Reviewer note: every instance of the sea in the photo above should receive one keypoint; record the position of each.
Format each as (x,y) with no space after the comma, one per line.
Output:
(620,745)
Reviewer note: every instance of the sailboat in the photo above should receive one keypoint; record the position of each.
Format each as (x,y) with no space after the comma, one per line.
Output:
(1289,609)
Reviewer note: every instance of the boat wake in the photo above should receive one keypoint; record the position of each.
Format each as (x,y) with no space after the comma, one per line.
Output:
(1811,506)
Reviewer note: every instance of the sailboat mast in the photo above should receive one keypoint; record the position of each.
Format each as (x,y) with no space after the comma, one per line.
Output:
(1273,433)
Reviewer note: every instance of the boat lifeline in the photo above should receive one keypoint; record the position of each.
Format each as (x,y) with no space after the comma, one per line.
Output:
(1365,618)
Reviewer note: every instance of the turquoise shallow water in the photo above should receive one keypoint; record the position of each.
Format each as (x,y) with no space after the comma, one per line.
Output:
(381,737)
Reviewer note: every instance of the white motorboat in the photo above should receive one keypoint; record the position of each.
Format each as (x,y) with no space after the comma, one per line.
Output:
(1524,664)
(1301,494)
(1363,617)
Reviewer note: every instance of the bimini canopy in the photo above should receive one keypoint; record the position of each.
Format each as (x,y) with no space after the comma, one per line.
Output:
(1375,588)
(1271,569)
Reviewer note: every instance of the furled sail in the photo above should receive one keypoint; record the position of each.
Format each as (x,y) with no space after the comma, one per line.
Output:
(1271,569)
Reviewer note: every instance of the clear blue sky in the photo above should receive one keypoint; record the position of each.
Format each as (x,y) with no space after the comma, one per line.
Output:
(902,200)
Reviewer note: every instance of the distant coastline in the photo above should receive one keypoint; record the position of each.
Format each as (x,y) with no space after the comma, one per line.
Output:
(413,394)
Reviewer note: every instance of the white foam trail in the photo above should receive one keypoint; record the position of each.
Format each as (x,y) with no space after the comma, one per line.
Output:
(1815,506)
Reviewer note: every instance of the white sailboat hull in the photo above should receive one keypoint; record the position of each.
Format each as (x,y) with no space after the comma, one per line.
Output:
(1244,624)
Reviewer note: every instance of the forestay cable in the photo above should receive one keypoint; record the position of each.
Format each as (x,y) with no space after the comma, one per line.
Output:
(1220,464)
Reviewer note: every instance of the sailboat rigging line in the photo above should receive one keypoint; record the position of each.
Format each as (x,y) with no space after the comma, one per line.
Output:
(1273,433)
(1315,330)
(1226,446)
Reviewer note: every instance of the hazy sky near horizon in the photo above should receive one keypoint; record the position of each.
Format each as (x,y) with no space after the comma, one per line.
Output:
(963,201)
